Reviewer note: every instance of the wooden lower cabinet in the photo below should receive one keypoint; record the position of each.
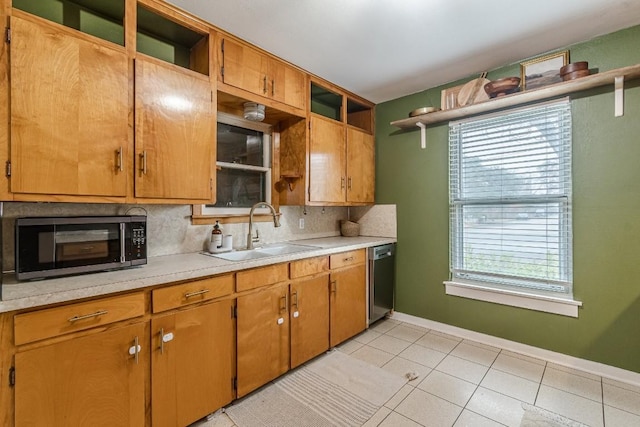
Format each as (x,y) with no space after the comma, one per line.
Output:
(348,302)
(92,381)
(309,319)
(262,337)
(192,361)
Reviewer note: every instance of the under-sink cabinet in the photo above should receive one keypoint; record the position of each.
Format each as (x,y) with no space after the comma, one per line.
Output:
(309,309)
(263,326)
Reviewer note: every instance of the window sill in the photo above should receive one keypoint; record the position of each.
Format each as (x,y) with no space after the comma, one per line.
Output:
(549,304)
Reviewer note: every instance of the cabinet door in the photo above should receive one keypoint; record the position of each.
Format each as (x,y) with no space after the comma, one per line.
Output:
(263,337)
(243,67)
(327,180)
(360,167)
(69,112)
(87,381)
(348,302)
(287,85)
(175,142)
(191,363)
(309,319)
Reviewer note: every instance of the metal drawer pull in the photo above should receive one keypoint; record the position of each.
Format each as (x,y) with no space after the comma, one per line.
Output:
(347,259)
(164,338)
(342,180)
(135,349)
(294,303)
(333,286)
(283,303)
(349,183)
(196,293)
(143,162)
(87,316)
(119,165)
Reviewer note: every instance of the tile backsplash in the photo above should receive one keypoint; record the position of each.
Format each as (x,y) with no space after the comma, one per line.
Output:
(170,231)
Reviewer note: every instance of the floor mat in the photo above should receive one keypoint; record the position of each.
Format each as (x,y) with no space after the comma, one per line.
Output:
(333,390)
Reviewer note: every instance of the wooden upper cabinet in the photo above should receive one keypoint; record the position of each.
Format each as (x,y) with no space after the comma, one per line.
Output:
(246,68)
(69,111)
(360,167)
(242,67)
(327,179)
(287,84)
(175,139)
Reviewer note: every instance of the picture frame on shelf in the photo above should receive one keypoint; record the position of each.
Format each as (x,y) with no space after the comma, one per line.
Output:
(543,71)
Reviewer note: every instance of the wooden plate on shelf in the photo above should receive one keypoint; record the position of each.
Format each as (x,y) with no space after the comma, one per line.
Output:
(473,92)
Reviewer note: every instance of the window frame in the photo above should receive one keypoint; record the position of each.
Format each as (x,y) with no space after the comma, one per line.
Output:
(268,132)
(475,287)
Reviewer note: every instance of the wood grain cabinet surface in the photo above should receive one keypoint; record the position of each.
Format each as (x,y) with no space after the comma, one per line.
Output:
(192,363)
(175,122)
(246,68)
(262,337)
(94,380)
(347,295)
(69,112)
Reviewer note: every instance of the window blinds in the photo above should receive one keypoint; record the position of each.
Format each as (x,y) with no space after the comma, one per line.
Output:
(510,198)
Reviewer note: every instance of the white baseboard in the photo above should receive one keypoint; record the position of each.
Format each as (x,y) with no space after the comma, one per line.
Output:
(595,368)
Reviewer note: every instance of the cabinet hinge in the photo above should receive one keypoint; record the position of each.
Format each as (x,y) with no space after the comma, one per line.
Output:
(12,376)
(222,71)
(8,35)
(8,168)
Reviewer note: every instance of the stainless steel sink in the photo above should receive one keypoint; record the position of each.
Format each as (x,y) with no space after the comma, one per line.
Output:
(264,252)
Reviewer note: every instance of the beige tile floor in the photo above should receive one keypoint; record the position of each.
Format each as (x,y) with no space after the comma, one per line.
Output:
(465,383)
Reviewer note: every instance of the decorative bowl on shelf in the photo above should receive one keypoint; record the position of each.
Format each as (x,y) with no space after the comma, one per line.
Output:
(502,87)
(576,66)
(423,110)
(574,71)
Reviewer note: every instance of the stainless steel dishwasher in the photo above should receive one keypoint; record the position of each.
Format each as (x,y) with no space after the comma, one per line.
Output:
(382,273)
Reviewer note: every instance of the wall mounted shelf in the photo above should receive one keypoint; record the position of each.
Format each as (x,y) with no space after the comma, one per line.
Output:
(615,77)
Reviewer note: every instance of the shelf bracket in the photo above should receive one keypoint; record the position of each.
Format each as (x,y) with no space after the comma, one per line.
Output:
(423,134)
(619,96)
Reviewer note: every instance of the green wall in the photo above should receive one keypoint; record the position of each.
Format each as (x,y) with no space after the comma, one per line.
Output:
(606,218)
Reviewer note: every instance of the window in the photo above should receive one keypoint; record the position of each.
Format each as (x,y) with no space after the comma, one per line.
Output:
(243,166)
(510,199)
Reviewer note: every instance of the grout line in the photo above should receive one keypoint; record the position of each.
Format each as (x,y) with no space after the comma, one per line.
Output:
(540,385)
(602,395)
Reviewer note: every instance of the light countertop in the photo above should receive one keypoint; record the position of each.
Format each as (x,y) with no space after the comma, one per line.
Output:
(159,270)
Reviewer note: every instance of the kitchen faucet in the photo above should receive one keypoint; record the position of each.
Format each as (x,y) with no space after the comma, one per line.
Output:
(276,221)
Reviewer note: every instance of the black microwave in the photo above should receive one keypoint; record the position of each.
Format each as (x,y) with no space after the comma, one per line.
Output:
(61,246)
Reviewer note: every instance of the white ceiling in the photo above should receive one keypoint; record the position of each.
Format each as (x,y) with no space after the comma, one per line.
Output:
(385,49)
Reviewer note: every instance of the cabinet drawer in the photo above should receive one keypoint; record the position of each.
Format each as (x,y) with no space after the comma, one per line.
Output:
(309,266)
(345,259)
(263,276)
(191,292)
(38,325)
